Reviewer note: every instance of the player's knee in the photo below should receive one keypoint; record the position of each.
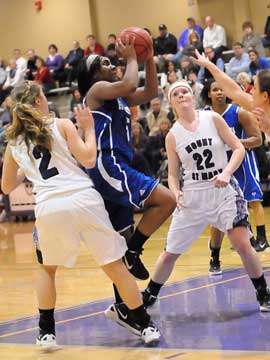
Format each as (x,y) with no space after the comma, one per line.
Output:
(169,203)
(168,258)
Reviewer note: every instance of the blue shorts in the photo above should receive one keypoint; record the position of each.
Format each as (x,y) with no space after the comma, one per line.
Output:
(121,185)
(248,178)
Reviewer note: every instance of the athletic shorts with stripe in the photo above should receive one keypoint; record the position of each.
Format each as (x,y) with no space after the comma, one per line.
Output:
(122,188)
(223,208)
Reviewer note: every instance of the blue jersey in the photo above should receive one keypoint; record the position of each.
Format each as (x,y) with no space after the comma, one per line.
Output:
(121,186)
(247,174)
(113,130)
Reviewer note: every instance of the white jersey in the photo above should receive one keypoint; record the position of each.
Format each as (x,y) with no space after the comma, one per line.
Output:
(202,153)
(52,173)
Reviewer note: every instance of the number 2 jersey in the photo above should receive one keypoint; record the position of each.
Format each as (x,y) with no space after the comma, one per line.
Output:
(202,153)
(54,173)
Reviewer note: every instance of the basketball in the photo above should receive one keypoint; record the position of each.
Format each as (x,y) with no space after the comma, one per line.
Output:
(143,43)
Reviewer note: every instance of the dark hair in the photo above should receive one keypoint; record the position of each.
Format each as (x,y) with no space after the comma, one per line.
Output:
(205,92)
(41,60)
(53,46)
(247,24)
(254,51)
(147,30)
(87,78)
(111,47)
(112,35)
(263,77)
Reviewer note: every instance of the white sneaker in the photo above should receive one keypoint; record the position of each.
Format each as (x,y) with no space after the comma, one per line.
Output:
(150,335)
(46,340)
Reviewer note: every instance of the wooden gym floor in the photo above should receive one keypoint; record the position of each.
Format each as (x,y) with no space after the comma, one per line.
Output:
(199,317)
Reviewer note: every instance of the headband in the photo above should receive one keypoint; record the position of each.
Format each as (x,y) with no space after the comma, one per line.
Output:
(179,84)
(90,60)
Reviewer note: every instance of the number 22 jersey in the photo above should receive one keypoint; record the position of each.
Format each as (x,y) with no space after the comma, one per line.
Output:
(202,152)
(54,173)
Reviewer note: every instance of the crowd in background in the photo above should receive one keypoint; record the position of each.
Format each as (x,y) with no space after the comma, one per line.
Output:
(150,122)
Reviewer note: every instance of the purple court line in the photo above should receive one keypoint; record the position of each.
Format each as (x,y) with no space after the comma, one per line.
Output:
(209,327)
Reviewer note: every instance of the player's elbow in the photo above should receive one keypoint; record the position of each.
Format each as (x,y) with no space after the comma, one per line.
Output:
(89,162)
(5,187)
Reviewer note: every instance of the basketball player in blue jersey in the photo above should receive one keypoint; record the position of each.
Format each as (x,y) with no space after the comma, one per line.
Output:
(244,126)
(121,186)
(210,195)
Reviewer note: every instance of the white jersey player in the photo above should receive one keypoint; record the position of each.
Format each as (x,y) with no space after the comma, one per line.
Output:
(68,208)
(210,195)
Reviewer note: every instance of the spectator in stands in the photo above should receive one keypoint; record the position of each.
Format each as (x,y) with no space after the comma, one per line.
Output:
(214,36)
(266,36)
(43,76)
(204,74)
(184,36)
(76,99)
(55,63)
(196,87)
(257,62)
(155,116)
(184,41)
(20,61)
(93,47)
(165,45)
(112,55)
(140,144)
(6,116)
(172,77)
(252,39)
(72,61)
(3,74)
(156,150)
(239,63)
(194,41)
(244,80)
(170,67)
(187,66)
(111,40)
(31,64)
(14,77)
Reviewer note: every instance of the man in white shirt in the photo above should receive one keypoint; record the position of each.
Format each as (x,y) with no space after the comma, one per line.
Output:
(214,36)
(20,61)
(239,63)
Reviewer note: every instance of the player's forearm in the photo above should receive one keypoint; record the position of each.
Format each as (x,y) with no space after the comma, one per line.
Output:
(235,160)
(251,142)
(131,75)
(173,183)
(151,80)
(90,151)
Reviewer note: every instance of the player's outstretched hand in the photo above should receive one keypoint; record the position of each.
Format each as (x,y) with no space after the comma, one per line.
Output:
(200,59)
(84,117)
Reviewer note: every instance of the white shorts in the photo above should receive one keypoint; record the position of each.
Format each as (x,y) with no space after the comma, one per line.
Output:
(222,208)
(62,222)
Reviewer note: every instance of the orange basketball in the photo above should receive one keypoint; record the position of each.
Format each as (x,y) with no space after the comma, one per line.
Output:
(143,43)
